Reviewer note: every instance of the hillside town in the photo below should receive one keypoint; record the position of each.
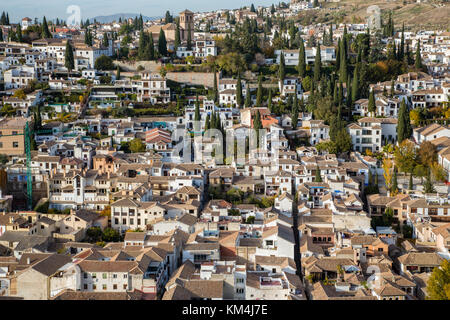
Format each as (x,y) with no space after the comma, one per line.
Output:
(242,154)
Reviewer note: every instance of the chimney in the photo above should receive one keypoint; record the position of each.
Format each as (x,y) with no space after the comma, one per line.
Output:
(28,260)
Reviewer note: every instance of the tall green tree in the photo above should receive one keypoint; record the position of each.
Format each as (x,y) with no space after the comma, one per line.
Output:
(105,41)
(239,97)
(177,37)
(269,101)
(281,68)
(343,65)
(45,33)
(19,33)
(418,63)
(248,97)
(371,106)
(69,60)
(259,93)
(162,43)
(318,177)
(197,116)
(301,67)
(189,40)
(216,90)
(317,65)
(404,129)
(118,73)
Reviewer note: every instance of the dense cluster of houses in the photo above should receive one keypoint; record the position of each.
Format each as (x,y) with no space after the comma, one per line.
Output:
(184,224)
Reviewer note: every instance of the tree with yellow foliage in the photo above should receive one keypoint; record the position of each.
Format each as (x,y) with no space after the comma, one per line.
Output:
(438,286)
(388,171)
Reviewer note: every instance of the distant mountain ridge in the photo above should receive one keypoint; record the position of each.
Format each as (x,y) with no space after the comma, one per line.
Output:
(115,17)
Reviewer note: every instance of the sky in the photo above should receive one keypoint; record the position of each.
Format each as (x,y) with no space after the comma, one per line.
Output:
(53,9)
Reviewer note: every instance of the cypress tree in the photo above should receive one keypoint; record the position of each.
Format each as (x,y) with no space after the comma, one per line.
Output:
(45,33)
(418,62)
(259,93)
(216,90)
(189,40)
(162,43)
(428,185)
(301,68)
(118,73)
(402,44)
(411,184)
(331,34)
(281,68)
(338,55)
(394,182)
(239,97)
(1,35)
(343,67)
(142,52)
(294,115)
(371,107)
(19,33)
(69,60)
(197,115)
(248,98)
(177,37)
(269,101)
(392,88)
(7,19)
(318,176)
(105,42)
(317,65)
(207,123)
(404,129)
(151,47)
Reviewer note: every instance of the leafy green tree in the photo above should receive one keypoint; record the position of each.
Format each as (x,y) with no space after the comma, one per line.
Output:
(136,145)
(104,63)
(110,235)
(343,64)
(438,286)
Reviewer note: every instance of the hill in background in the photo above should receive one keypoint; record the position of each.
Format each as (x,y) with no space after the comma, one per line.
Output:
(115,17)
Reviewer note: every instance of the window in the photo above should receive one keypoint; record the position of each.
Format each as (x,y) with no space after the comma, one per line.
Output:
(104,275)
(94,287)
(104,287)
(85,275)
(124,287)
(15,144)
(85,287)
(125,276)
(114,276)
(114,286)
(94,275)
